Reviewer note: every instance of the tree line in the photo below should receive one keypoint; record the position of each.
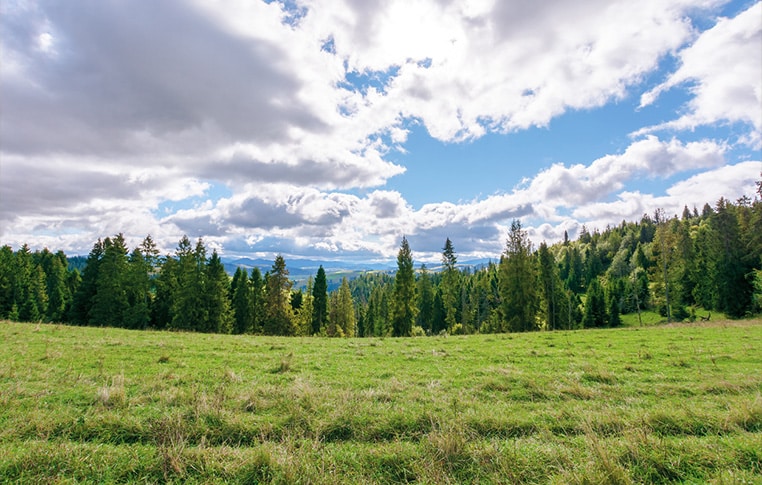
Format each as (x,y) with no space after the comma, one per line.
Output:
(683,267)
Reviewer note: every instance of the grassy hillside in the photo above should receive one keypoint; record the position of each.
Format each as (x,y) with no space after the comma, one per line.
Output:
(632,405)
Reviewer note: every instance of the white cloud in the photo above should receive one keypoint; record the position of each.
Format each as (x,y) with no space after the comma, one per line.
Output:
(111,111)
(724,66)
(651,157)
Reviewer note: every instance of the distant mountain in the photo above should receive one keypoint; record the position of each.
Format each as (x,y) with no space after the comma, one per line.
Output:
(301,269)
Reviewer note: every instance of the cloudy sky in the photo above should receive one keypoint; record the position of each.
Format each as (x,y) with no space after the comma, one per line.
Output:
(331,128)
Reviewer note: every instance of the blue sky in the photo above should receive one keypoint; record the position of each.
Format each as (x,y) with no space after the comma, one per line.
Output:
(330,129)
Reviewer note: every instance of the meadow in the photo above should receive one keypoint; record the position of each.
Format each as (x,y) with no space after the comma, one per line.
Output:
(657,404)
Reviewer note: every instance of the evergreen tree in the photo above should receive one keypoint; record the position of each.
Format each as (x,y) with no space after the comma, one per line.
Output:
(425,300)
(215,297)
(733,289)
(167,288)
(85,294)
(110,303)
(33,306)
(320,301)
(450,286)
(242,301)
(615,295)
(553,297)
(664,249)
(278,311)
(257,300)
(6,281)
(306,310)
(138,290)
(341,314)
(518,282)
(438,323)
(403,308)
(595,306)
(56,288)
(188,310)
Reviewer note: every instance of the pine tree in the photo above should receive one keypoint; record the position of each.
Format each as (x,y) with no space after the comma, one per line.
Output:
(320,301)
(518,282)
(403,307)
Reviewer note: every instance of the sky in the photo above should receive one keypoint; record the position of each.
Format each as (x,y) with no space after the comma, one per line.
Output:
(332,128)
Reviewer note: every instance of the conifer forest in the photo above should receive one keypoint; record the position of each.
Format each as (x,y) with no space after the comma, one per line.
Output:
(682,266)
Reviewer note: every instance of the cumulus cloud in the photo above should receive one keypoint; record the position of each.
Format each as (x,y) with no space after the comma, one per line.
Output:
(113,110)
(724,67)
(579,184)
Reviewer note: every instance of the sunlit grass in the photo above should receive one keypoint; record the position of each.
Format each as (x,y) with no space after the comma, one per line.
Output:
(633,405)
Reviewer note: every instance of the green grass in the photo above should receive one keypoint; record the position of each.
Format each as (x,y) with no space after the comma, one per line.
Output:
(658,404)
(648,318)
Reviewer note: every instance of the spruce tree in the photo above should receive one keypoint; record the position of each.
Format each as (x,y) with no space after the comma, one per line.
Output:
(138,289)
(346,311)
(306,310)
(257,300)
(518,282)
(167,288)
(733,289)
(553,298)
(85,295)
(278,311)
(595,306)
(6,281)
(188,310)
(110,303)
(450,286)
(219,317)
(242,301)
(403,308)
(320,301)
(425,300)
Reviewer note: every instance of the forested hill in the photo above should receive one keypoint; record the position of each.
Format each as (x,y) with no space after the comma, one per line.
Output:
(683,266)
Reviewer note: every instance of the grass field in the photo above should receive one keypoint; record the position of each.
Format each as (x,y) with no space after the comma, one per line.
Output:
(678,403)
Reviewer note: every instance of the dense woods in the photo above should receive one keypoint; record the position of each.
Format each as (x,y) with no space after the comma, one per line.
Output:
(683,266)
